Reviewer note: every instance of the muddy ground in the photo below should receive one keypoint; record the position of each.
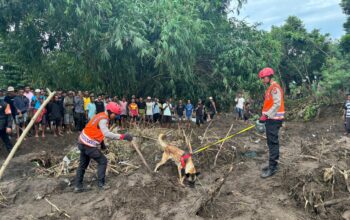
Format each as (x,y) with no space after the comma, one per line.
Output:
(232,189)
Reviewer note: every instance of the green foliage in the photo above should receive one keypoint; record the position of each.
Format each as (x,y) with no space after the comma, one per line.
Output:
(303,53)
(346,8)
(336,76)
(345,43)
(310,112)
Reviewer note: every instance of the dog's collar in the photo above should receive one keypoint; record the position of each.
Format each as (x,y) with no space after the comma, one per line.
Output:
(184,158)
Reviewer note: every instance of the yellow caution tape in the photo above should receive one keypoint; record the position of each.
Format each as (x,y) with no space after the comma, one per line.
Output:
(222,140)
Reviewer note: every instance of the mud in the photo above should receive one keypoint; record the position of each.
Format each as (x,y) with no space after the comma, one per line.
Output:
(307,149)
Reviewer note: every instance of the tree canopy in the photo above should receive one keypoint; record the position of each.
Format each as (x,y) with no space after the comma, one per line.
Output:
(177,48)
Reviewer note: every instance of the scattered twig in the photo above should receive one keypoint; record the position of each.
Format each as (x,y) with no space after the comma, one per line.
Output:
(128,164)
(309,157)
(259,135)
(188,143)
(332,202)
(205,132)
(346,173)
(217,155)
(57,209)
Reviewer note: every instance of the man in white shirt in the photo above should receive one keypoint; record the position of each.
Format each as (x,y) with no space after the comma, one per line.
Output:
(239,106)
(167,113)
(149,110)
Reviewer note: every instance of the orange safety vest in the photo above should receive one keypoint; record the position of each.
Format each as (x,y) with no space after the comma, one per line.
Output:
(268,102)
(92,134)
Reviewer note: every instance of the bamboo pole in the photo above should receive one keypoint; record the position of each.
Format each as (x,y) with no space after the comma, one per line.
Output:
(20,140)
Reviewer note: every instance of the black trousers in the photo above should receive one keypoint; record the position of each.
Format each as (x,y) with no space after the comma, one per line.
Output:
(347,125)
(272,130)
(79,120)
(199,119)
(6,139)
(86,154)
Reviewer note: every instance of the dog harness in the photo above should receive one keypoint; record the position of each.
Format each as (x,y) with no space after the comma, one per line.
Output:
(184,158)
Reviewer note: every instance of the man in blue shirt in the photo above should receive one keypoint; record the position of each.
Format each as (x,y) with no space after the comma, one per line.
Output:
(189,112)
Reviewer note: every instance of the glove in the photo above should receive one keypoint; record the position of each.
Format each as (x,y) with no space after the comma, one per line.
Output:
(126,137)
(263,119)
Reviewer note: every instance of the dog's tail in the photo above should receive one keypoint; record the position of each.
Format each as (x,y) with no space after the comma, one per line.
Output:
(162,143)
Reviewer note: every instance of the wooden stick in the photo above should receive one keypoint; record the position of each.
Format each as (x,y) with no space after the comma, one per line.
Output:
(205,132)
(332,202)
(55,207)
(19,142)
(188,143)
(217,155)
(140,154)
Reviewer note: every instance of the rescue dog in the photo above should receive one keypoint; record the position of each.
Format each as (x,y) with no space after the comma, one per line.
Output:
(182,160)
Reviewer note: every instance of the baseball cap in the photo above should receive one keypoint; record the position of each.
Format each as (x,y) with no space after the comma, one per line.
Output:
(37,90)
(10,89)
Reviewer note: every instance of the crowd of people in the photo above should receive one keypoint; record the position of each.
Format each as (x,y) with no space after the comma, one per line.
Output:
(71,110)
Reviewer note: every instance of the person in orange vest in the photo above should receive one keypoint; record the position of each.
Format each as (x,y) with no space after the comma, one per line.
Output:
(93,135)
(272,116)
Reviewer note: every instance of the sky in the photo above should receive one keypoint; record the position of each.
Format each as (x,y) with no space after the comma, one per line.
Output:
(325,15)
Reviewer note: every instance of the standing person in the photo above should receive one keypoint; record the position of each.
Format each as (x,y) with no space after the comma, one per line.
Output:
(134,112)
(180,108)
(239,106)
(189,112)
(91,108)
(149,110)
(29,94)
(21,104)
(142,106)
(199,114)
(124,111)
(37,101)
(247,112)
(212,109)
(156,110)
(272,116)
(11,94)
(5,124)
(347,114)
(55,115)
(92,135)
(100,106)
(79,111)
(60,100)
(167,113)
(68,104)
(86,99)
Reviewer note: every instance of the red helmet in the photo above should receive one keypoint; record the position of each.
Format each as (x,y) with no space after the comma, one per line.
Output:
(113,107)
(266,72)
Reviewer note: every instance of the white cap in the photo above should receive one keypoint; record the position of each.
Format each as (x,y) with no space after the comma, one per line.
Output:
(210,98)
(148,97)
(10,89)
(37,90)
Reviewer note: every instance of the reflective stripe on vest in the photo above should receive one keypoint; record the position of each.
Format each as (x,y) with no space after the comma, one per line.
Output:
(92,134)
(268,102)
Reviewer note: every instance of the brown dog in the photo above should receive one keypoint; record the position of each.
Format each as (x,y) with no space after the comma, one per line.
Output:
(183,161)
